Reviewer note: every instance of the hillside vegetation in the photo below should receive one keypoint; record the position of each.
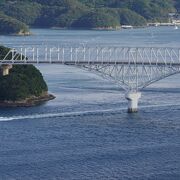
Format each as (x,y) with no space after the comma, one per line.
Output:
(9,25)
(24,81)
(85,13)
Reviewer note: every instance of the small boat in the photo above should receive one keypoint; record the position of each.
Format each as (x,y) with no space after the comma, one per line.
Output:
(127,27)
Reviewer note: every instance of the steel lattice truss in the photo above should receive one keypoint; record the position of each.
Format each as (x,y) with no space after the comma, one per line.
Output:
(131,68)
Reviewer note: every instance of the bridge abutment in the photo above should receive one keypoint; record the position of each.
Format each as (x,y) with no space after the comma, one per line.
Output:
(5,69)
(133,98)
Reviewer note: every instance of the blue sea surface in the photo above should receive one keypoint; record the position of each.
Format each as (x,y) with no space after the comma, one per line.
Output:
(86,133)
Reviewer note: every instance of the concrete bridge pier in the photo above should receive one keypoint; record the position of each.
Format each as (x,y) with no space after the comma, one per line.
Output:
(5,69)
(133,98)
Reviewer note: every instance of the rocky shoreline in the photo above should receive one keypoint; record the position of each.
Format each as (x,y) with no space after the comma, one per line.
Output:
(29,102)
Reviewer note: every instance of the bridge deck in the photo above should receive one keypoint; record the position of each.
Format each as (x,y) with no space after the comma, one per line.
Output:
(93,55)
(87,62)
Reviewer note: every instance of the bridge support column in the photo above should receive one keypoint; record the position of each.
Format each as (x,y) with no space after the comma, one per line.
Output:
(5,69)
(133,98)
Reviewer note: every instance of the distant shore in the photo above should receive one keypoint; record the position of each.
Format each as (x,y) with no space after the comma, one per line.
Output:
(29,102)
(86,28)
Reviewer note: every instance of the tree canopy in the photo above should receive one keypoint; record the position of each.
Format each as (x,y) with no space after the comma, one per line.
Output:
(9,25)
(87,13)
(96,19)
(24,81)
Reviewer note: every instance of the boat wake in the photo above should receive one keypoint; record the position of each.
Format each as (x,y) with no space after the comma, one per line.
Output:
(64,114)
(79,113)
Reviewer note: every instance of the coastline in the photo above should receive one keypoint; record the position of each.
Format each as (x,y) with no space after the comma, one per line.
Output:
(86,28)
(28,102)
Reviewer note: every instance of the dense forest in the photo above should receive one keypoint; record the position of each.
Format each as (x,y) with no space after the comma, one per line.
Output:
(9,25)
(82,13)
(24,81)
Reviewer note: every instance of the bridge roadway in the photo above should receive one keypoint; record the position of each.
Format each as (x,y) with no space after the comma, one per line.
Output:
(72,63)
(131,68)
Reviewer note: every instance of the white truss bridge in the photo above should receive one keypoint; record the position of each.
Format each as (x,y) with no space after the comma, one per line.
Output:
(132,68)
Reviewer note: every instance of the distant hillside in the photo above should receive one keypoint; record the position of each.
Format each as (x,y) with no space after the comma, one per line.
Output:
(9,25)
(88,13)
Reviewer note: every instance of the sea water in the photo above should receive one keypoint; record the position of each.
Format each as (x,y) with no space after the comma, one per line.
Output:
(85,133)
